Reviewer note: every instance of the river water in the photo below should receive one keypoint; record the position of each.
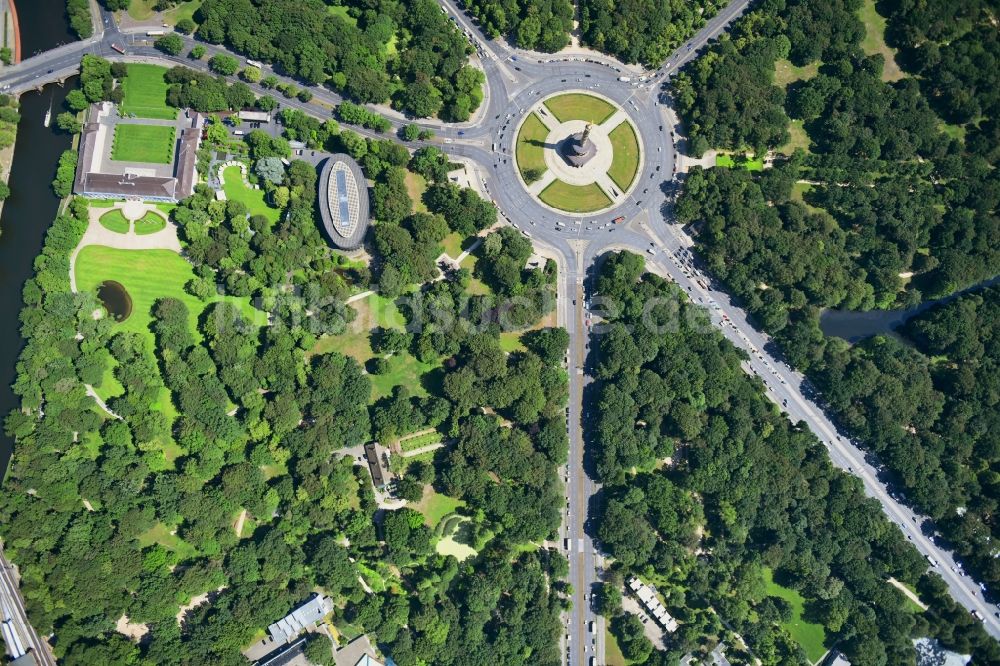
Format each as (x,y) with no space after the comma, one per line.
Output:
(27,215)
(43,25)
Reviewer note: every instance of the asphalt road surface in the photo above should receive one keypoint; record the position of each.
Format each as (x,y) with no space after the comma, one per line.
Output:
(515,80)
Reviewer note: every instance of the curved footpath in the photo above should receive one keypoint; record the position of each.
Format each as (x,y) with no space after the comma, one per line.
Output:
(514,79)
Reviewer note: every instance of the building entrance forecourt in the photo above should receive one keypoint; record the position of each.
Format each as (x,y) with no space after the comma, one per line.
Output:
(578,153)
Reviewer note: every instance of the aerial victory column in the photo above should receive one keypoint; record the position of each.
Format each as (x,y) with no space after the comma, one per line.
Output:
(578,149)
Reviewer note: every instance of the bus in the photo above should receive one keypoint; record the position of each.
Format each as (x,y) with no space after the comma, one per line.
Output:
(119,48)
(155,33)
(254,63)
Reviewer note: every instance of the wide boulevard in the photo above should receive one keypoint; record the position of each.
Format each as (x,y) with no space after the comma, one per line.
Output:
(515,80)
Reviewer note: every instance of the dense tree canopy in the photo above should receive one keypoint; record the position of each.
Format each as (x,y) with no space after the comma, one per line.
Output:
(538,25)
(407,52)
(708,487)
(642,31)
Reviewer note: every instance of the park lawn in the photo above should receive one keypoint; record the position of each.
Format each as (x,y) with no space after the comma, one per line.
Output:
(183,10)
(612,653)
(454,244)
(150,223)
(625,160)
(141,10)
(456,541)
(148,275)
(530,149)
(799,138)
(874,41)
(809,635)
(723,160)
(476,286)
(510,341)
(575,198)
(579,106)
(416,185)
(237,190)
(341,11)
(146,91)
(785,72)
(404,370)
(114,221)
(953,131)
(412,443)
(143,143)
(160,533)
(436,506)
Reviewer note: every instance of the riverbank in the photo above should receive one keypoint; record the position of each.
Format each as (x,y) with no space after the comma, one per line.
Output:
(7,153)
(26,216)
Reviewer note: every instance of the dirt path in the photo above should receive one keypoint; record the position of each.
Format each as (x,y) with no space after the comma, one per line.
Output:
(908,592)
(100,403)
(239,523)
(423,449)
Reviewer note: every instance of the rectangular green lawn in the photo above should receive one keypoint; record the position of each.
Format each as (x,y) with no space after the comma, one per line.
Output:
(530,149)
(236,190)
(723,160)
(578,106)
(575,198)
(625,161)
(143,143)
(809,635)
(146,92)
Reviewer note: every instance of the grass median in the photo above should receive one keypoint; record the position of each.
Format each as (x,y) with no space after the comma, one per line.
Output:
(530,149)
(578,106)
(575,198)
(625,162)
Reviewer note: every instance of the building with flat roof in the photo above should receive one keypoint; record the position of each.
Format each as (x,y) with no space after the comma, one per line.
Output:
(287,655)
(647,595)
(293,624)
(374,465)
(343,201)
(358,652)
(254,116)
(100,177)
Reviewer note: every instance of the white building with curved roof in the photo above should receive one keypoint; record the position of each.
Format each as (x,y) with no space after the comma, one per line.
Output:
(343,201)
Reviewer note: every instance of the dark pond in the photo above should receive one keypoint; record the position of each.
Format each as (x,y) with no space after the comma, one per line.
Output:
(115,299)
(854,326)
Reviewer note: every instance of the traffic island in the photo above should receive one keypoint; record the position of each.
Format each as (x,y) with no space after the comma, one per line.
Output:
(578,153)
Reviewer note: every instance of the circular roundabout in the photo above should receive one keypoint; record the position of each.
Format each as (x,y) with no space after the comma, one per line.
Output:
(577,153)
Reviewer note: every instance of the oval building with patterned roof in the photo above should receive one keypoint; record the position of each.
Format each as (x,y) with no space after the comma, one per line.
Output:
(343,201)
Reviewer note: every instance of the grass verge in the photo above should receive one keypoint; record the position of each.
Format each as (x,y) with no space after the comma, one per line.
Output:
(579,106)
(575,198)
(530,149)
(625,161)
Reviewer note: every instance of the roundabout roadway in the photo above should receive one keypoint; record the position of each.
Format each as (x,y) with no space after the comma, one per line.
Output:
(515,80)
